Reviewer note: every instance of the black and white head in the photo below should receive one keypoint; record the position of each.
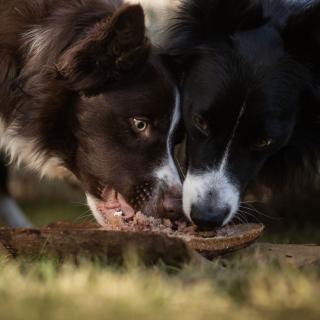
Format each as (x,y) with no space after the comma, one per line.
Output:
(246,73)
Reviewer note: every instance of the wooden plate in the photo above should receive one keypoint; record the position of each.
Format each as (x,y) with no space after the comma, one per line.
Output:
(228,239)
(65,241)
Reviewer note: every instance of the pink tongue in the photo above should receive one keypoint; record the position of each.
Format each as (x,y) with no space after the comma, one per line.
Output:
(114,202)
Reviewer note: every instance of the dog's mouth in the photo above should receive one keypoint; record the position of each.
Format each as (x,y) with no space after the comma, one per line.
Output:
(112,203)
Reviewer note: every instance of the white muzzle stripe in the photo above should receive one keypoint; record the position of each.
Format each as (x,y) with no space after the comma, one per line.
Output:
(214,183)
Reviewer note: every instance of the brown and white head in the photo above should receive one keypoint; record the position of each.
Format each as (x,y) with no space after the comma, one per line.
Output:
(127,109)
(101,104)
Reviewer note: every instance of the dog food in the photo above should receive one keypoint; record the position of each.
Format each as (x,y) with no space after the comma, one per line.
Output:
(142,223)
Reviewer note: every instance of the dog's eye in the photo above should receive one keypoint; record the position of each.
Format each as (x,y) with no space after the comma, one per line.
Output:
(200,124)
(140,125)
(263,143)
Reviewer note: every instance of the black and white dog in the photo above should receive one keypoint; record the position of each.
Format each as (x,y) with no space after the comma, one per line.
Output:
(250,85)
(82,92)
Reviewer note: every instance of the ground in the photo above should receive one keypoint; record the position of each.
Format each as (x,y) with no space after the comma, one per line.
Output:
(225,290)
(240,288)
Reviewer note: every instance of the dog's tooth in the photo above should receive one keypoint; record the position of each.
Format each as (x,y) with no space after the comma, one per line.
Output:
(118,213)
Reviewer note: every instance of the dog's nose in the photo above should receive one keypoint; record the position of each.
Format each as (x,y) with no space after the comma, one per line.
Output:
(172,203)
(208,219)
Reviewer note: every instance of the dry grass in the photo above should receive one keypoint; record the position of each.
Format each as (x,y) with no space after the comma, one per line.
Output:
(225,290)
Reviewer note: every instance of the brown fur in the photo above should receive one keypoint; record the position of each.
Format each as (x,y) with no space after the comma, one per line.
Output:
(72,75)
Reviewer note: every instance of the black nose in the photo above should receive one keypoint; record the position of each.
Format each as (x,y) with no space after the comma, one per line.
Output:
(208,219)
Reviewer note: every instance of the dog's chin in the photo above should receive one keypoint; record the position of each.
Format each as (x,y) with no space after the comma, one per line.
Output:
(111,203)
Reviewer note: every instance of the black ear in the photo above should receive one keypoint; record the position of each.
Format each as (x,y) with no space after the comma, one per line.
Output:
(203,20)
(114,50)
(302,34)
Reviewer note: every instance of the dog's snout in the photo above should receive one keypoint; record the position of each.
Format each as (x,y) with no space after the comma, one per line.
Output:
(172,203)
(207,218)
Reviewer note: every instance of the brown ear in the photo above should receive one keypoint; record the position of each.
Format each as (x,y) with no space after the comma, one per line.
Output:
(114,50)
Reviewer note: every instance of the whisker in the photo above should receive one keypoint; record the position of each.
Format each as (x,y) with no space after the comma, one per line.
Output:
(79,204)
(83,217)
(241,217)
(250,214)
(260,213)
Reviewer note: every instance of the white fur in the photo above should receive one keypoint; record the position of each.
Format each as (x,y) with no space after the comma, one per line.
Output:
(92,203)
(198,186)
(168,171)
(26,151)
(38,39)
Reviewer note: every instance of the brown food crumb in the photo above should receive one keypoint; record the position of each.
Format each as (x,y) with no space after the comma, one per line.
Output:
(142,223)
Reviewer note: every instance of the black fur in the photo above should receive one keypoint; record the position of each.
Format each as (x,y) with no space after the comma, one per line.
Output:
(261,55)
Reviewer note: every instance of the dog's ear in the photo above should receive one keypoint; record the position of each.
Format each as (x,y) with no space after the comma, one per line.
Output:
(301,35)
(114,50)
(199,19)
(197,22)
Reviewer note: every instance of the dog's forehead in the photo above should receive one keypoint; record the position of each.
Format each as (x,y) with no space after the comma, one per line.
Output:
(151,95)
(204,82)
(215,80)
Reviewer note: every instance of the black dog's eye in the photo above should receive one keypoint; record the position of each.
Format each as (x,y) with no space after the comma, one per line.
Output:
(263,143)
(200,124)
(140,125)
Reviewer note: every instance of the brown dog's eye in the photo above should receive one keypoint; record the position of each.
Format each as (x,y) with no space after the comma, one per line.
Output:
(140,125)
(200,124)
(263,143)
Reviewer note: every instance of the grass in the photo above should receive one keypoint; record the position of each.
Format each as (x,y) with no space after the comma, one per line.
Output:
(224,290)
(242,288)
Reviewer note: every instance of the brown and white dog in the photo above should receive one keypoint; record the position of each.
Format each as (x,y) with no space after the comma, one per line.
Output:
(82,91)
